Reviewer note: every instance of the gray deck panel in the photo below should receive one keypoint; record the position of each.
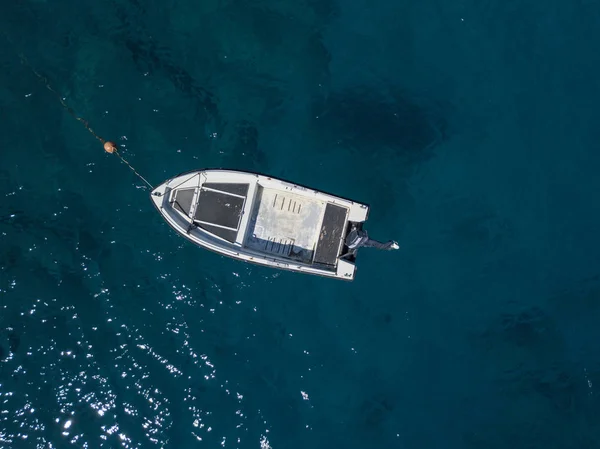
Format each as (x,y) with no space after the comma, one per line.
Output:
(183,200)
(284,224)
(230,187)
(226,234)
(219,208)
(330,236)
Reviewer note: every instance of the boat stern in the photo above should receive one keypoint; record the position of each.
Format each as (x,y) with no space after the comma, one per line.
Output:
(345,270)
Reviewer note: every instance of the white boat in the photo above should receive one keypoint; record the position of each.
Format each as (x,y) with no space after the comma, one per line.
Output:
(264,220)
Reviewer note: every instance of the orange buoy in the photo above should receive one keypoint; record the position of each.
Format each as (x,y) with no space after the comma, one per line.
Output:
(110,147)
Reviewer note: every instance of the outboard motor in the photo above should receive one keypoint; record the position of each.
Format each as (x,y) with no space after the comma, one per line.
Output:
(359,238)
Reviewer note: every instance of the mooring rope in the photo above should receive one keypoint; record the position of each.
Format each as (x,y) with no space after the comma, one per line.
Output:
(109,147)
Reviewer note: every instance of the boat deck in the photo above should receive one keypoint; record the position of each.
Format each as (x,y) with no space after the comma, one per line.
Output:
(219,208)
(295,227)
(285,224)
(261,220)
(331,235)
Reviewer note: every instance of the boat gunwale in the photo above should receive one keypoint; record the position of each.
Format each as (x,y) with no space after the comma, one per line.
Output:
(274,178)
(259,259)
(256,260)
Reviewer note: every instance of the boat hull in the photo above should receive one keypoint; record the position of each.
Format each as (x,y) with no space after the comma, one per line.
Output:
(262,220)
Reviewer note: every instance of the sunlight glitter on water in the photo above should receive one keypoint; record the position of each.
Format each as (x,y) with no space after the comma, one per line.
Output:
(86,384)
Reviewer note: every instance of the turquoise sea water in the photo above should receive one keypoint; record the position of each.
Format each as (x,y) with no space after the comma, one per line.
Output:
(471,128)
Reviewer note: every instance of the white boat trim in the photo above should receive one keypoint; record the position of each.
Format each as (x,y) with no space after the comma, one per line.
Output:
(322,258)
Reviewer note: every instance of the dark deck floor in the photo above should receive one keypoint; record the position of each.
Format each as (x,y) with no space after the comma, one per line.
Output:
(328,245)
(183,200)
(219,208)
(220,212)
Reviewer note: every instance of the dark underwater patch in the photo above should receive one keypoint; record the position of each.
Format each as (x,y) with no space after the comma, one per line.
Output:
(149,55)
(245,152)
(364,119)
(14,341)
(579,299)
(376,410)
(246,145)
(9,342)
(528,352)
(531,330)
(326,10)
(10,258)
